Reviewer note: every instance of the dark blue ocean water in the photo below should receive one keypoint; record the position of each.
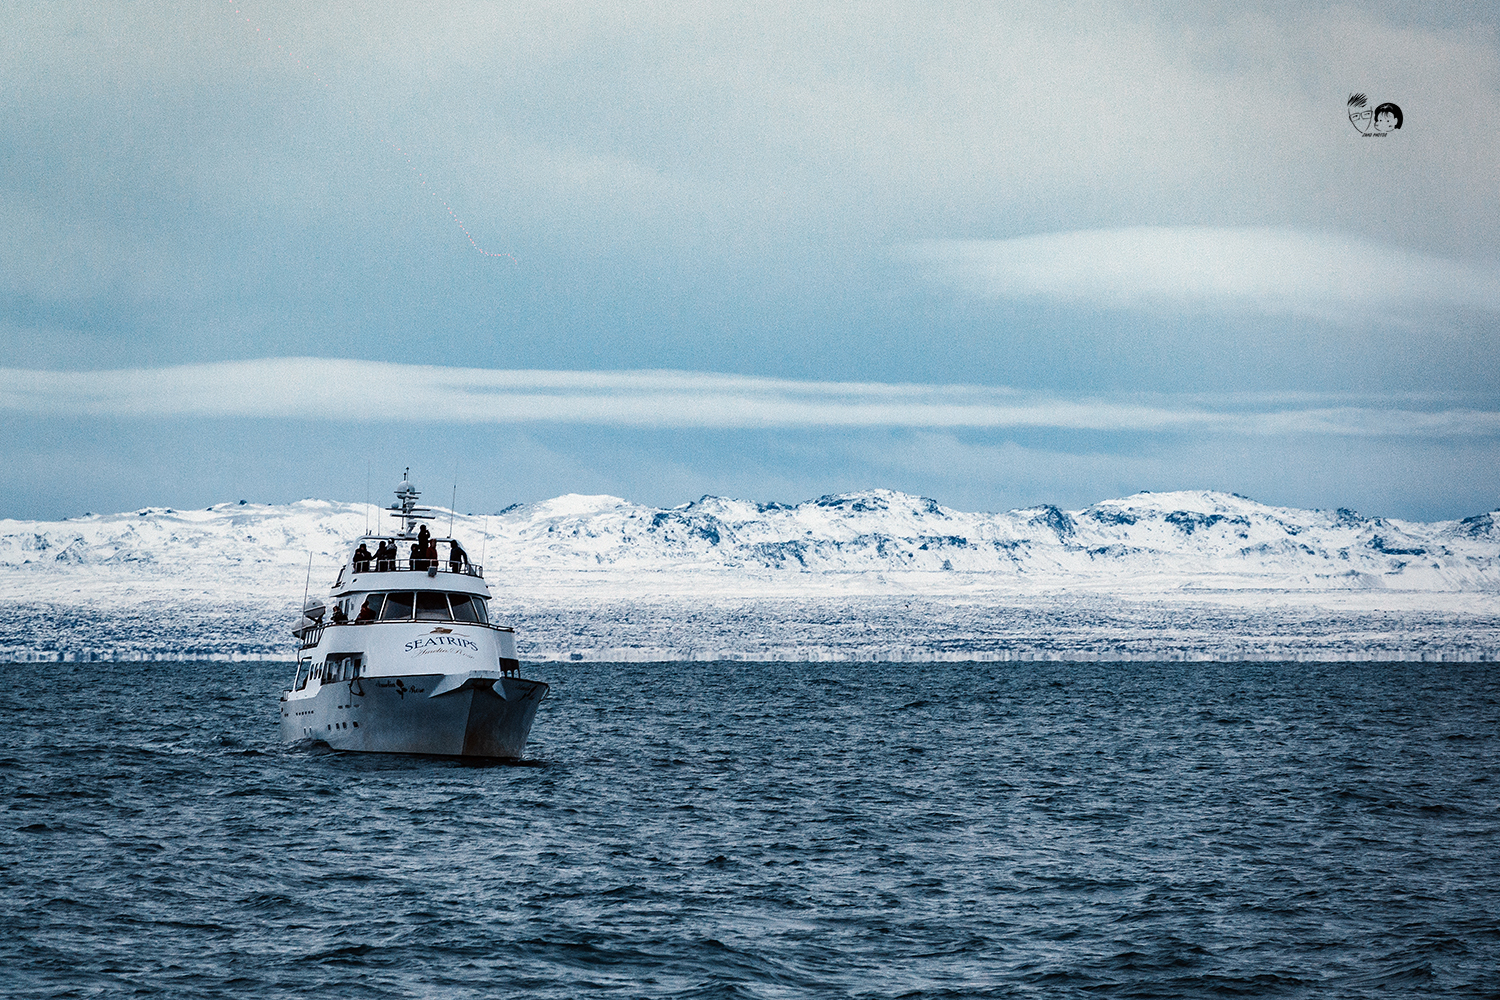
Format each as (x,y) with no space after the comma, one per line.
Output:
(767,830)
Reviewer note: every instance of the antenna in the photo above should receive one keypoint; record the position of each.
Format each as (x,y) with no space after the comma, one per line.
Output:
(305,584)
(367,496)
(407,510)
(453,504)
(484,542)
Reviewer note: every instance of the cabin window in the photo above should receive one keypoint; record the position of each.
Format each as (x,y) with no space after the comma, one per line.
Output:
(469,609)
(340,667)
(432,607)
(397,607)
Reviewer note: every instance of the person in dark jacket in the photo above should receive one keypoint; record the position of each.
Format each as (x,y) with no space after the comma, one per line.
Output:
(457,557)
(362,559)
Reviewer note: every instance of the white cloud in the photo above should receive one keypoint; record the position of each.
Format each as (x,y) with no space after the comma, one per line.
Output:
(1268,270)
(369,391)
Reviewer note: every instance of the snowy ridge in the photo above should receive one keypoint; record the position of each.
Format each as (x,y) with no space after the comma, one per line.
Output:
(1156,542)
(237,572)
(878,540)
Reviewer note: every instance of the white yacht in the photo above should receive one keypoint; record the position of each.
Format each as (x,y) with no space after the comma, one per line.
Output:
(402,658)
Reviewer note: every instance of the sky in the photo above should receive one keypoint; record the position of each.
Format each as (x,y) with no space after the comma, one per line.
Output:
(998,255)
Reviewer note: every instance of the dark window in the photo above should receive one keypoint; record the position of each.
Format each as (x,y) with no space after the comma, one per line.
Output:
(397,607)
(340,667)
(463,608)
(432,607)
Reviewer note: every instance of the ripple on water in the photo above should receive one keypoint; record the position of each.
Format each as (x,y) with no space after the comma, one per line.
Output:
(770,830)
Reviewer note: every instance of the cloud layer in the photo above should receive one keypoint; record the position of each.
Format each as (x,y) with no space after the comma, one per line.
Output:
(1270,270)
(367,391)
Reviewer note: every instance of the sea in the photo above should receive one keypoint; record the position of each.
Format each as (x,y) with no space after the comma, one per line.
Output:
(736,829)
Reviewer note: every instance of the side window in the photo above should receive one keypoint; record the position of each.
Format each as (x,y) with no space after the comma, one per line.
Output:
(343,667)
(432,607)
(463,608)
(397,607)
(483,608)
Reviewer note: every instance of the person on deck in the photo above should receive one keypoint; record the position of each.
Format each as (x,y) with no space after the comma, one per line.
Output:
(457,557)
(366,613)
(362,559)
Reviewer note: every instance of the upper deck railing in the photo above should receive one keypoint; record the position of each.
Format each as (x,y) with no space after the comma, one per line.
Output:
(415,566)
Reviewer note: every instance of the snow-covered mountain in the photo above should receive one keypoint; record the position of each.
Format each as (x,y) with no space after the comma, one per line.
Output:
(1156,541)
(218,565)
(878,540)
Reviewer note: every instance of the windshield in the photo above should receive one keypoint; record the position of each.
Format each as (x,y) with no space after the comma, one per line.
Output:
(423,605)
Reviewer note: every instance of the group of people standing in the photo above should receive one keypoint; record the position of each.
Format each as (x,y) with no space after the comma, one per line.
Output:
(424,555)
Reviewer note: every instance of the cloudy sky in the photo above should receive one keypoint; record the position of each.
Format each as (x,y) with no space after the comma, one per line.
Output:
(995,254)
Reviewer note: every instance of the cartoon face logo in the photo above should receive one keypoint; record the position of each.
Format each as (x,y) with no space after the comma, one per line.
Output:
(1361,117)
(1387,118)
(1383,120)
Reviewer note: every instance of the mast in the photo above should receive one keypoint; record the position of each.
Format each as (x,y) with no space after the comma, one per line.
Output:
(407,510)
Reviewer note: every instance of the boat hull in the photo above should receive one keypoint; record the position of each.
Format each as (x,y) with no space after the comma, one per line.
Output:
(461,715)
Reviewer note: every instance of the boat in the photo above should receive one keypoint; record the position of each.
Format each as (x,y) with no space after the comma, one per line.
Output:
(401,656)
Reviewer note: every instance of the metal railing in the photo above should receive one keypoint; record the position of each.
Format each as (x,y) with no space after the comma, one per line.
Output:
(416,566)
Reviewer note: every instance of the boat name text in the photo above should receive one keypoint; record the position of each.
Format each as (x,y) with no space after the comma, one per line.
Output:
(428,641)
